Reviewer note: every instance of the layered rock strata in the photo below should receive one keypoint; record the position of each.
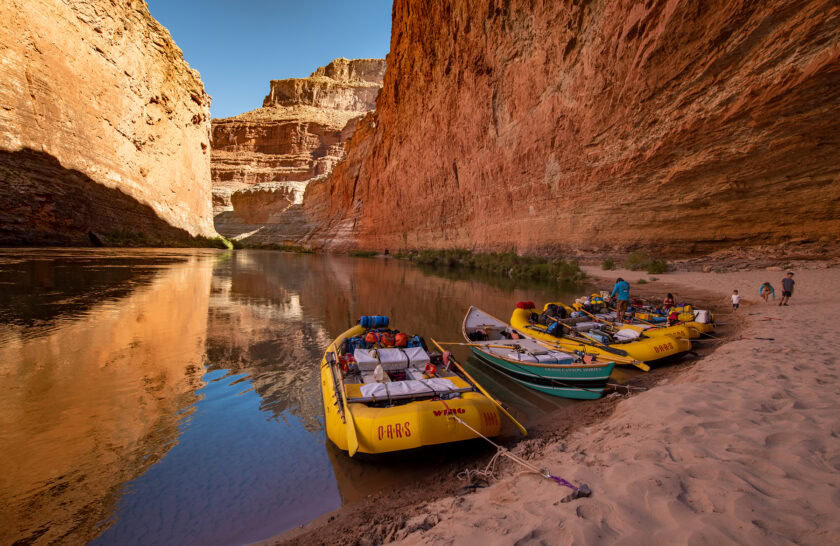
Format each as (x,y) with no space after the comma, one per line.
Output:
(669,125)
(298,135)
(103,126)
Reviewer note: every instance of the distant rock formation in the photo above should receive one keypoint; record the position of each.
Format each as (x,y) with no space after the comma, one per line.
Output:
(667,125)
(262,160)
(104,128)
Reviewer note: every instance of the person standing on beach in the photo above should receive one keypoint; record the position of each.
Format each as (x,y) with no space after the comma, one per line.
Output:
(736,300)
(787,288)
(621,291)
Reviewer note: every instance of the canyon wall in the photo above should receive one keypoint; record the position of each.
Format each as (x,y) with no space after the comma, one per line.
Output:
(264,159)
(592,126)
(104,127)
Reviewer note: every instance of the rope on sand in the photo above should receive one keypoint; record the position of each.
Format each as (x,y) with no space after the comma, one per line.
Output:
(489,470)
(628,387)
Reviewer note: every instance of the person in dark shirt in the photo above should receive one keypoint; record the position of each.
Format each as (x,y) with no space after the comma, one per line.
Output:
(787,288)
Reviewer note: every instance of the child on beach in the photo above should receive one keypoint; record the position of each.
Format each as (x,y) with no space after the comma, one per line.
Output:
(736,300)
(765,290)
(787,288)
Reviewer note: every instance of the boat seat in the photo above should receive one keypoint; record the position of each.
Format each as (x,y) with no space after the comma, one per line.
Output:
(409,387)
(391,359)
(547,357)
(354,390)
(627,334)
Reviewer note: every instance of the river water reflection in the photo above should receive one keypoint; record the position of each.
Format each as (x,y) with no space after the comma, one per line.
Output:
(167,396)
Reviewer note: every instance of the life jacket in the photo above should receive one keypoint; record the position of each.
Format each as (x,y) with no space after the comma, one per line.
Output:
(525,305)
(387,339)
(372,338)
(401,340)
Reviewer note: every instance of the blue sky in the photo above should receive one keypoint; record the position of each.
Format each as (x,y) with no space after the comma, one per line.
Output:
(239,45)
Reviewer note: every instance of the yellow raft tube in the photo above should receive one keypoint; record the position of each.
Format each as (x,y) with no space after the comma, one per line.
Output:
(358,423)
(643,349)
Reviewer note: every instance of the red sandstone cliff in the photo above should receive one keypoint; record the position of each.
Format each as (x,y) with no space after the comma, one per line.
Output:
(671,125)
(261,158)
(103,125)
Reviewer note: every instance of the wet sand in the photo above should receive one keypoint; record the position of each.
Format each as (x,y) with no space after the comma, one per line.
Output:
(741,445)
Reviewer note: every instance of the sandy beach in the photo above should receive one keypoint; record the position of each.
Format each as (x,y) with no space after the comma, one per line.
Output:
(742,446)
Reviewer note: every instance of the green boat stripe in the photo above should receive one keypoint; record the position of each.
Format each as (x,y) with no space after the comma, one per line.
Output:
(568,392)
(595,382)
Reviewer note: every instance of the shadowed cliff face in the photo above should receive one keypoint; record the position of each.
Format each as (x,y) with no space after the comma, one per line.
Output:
(101,88)
(43,203)
(669,125)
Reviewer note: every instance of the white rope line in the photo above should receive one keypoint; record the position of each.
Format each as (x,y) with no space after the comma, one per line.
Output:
(490,468)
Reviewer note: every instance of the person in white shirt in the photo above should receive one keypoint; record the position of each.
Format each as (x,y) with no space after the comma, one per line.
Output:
(736,300)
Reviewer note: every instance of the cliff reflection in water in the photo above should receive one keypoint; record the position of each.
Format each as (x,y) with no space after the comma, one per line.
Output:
(256,326)
(173,396)
(91,391)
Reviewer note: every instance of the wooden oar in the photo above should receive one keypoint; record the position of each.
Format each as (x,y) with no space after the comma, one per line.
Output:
(484,392)
(597,319)
(349,422)
(618,359)
(477,345)
(589,341)
(587,336)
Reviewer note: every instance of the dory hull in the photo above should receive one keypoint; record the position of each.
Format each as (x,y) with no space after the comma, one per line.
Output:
(576,382)
(530,363)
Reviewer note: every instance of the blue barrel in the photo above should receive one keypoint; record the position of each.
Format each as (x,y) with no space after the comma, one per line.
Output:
(373,321)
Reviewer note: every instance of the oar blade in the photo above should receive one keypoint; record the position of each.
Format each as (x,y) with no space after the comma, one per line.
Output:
(352,438)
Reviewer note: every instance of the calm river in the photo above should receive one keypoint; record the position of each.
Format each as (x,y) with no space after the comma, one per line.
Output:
(168,396)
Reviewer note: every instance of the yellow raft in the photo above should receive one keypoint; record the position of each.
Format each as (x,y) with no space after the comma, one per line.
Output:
(689,327)
(678,331)
(371,416)
(686,315)
(644,349)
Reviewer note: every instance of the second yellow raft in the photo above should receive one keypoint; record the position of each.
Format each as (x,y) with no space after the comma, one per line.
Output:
(645,349)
